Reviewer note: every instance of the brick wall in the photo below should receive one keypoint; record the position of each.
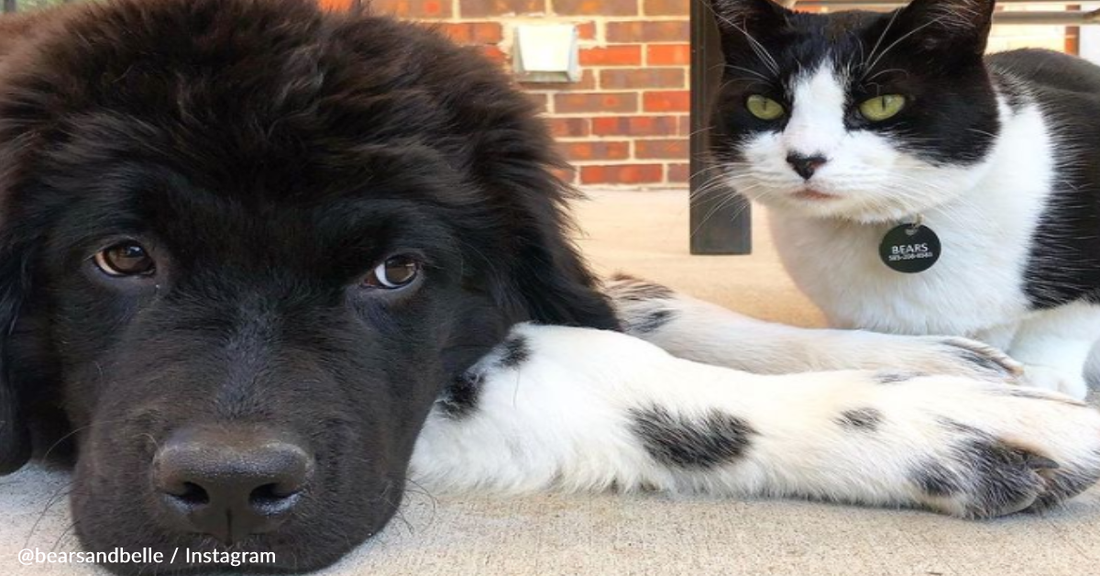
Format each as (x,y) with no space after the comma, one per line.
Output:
(625,123)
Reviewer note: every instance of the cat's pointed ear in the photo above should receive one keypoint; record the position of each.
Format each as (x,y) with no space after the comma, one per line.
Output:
(748,26)
(960,27)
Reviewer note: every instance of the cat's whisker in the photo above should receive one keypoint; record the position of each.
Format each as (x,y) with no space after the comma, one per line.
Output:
(747,71)
(746,193)
(722,203)
(700,131)
(887,71)
(878,42)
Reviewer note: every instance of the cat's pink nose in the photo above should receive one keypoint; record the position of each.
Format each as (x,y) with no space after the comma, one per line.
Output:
(805,166)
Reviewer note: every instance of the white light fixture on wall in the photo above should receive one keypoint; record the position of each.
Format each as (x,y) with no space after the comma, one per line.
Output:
(546,53)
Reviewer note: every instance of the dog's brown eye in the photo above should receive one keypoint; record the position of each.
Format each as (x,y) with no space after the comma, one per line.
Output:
(125,259)
(395,272)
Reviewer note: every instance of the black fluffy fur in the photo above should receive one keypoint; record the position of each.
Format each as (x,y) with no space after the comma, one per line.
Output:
(269,155)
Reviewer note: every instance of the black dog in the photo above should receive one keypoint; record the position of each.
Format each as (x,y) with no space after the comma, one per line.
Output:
(244,243)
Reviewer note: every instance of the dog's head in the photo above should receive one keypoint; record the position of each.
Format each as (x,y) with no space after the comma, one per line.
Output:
(244,245)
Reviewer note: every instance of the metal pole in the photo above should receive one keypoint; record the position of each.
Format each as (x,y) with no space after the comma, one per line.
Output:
(718,224)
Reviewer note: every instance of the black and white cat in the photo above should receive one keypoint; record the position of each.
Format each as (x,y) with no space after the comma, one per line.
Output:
(851,125)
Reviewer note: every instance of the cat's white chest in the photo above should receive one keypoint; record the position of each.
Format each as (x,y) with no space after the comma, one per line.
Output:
(978,281)
(975,284)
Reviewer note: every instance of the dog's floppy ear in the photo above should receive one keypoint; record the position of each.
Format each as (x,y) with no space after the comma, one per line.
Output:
(548,276)
(15,444)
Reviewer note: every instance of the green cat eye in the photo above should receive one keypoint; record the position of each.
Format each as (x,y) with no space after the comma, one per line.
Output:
(882,107)
(764,108)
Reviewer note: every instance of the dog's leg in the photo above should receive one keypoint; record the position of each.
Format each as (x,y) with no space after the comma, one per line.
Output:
(581,409)
(704,332)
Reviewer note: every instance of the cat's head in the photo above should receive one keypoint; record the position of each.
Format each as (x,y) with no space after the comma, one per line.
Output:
(857,115)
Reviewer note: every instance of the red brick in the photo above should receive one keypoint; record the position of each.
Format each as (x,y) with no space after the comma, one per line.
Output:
(596,7)
(569,127)
(667,7)
(675,149)
(643,78)
(494,53)
(634,126)
(473,32)
(621,174)
(639,31)
(685,125)
(611,56)
(667,101)
(479,8)
(587,82)
(567,175)
(586,30)
(541,101)
(581,151)
(601,102)
(668,55)
(679,173)
(413,8)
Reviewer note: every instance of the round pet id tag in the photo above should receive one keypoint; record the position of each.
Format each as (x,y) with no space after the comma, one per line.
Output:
(910,248)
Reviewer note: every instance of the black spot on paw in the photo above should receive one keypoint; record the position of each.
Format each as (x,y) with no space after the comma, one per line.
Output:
(988,477)
(649,322)
(515,352)
(636,290)
(861,419)
(713,439)
(1003,477)
(896,376)
(460,399)
(991,477)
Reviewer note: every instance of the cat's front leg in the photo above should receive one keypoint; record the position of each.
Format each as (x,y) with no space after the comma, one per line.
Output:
(1054,346)
(704,332)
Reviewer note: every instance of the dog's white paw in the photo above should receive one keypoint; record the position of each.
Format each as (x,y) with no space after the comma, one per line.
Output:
(999,449)
(1047,378)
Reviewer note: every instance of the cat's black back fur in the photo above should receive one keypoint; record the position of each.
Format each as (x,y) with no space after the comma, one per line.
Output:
(1065,262)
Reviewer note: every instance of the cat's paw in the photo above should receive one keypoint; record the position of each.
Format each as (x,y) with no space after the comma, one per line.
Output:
(1064,381)
(956,356)
(1003,449)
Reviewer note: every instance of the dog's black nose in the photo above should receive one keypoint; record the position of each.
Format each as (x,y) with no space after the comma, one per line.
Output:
(230,482)
(805,166)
